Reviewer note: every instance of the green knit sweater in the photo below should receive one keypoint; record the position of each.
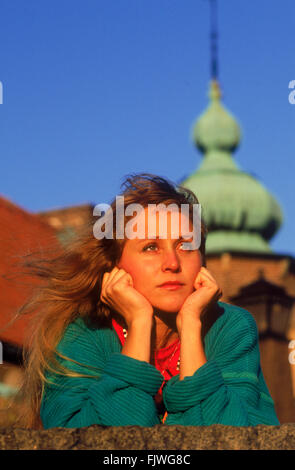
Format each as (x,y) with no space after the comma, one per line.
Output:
(119,390)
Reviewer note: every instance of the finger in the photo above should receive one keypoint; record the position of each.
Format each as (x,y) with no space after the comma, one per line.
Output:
(128,279)
(117,283)
(104,280)
(207,273)
(202,278)
(113,273)
(118,276)
(103,285)
(205,280)
(107,278)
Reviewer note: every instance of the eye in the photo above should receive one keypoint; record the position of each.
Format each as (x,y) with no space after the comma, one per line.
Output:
(182,246)
(150,245)
(188,246)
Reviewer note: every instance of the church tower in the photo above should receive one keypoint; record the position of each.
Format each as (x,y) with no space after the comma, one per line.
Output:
(242,216)
(240,213)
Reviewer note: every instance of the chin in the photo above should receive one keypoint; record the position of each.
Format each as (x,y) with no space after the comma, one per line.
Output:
(169,306)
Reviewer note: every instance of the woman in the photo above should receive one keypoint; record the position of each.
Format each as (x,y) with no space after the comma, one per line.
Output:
(130,331)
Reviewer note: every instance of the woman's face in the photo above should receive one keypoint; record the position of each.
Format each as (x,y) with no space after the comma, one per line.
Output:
(154,262)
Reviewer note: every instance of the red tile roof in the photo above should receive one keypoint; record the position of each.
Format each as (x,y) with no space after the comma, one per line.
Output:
(20,233)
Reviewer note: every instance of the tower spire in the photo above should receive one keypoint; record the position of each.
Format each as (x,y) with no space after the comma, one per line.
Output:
(213,40)
(240,214)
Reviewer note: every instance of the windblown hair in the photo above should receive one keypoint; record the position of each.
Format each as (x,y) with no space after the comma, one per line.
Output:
(72,285)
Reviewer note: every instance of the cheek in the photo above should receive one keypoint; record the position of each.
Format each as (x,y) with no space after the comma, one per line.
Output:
(193,268)
(139,272)
(141,276)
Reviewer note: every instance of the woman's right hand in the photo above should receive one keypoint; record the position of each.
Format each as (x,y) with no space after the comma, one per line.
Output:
(118,292)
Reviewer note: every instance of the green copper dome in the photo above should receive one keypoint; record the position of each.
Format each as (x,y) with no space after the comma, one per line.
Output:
(216,128)
(240,213)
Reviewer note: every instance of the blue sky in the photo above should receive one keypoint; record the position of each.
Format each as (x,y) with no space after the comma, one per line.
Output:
(96,89)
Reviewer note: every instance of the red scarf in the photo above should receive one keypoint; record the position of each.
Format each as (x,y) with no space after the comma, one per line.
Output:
(162,358)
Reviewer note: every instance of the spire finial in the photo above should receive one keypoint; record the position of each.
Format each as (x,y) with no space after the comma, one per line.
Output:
(213,40)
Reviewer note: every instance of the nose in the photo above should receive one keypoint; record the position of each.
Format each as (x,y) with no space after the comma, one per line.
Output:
(170,261)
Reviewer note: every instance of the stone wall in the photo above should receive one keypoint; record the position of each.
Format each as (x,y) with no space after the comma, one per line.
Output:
(159,437)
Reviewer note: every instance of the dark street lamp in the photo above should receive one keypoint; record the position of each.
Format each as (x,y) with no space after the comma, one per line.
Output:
(269,304)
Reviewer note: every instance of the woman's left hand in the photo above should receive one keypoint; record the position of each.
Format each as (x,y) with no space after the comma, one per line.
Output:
(206,293)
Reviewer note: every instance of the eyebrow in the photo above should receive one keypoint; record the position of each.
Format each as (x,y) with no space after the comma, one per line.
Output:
(143,240)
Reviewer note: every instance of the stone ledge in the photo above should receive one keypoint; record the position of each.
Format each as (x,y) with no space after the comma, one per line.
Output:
(159,437)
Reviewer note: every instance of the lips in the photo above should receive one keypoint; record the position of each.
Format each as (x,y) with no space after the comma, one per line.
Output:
(171,285)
